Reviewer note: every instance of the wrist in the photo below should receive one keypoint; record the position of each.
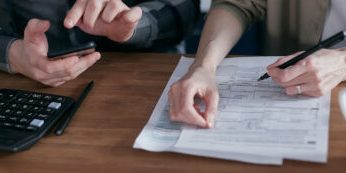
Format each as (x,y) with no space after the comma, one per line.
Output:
(15,54)
(204,64)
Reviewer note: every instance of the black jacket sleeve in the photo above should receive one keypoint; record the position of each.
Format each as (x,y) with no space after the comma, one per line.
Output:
(7,34)
(165,22)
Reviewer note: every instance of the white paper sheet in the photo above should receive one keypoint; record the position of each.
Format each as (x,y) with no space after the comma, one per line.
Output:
(256,123)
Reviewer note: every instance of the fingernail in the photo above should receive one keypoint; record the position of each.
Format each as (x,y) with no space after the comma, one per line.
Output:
(99,56)
(211,124)
(68,23)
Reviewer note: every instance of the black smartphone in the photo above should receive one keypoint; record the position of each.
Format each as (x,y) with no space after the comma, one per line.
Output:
(76,50)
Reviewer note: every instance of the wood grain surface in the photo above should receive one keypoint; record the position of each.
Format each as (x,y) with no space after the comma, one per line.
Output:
(100,137)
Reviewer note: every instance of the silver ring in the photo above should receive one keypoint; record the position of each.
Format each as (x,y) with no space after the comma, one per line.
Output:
(299,89)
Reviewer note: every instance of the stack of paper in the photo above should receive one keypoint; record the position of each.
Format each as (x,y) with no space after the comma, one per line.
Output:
(256,122)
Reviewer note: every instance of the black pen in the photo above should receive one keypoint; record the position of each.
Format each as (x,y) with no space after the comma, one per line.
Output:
(65,121)
(324,44)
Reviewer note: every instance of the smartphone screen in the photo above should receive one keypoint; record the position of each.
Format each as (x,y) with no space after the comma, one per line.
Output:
(77,50)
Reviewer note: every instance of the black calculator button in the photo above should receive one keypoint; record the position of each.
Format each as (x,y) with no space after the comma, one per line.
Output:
(25,107)
(49,110)
(2,117)
(8,111)
(19,126)
(31,101)
(10,96)
(37,96)
(6,124)
(42,116)
(30,115)
(2,104)
(13,119)
(24,95)
(59,99)
(42,103)
(36,109)
(21,100)
(24,120)
(14,106)
(18,113)
(48,97)
(31,128)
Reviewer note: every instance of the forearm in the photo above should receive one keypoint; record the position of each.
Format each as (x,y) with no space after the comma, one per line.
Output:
(221,32)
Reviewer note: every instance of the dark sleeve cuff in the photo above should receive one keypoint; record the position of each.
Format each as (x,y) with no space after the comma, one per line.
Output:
(5,43)
(143,33)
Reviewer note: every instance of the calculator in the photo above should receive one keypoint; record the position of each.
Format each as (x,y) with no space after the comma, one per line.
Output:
(25,116)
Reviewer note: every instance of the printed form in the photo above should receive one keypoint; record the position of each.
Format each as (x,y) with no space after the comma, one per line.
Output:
(256,121)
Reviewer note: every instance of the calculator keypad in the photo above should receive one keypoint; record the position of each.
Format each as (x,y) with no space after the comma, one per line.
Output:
(27,110)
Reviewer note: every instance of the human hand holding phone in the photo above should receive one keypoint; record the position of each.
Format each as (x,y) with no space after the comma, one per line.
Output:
(29,57)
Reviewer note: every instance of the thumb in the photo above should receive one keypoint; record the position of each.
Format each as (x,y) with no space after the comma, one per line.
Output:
(283,60)
(35,31)
(211,100)
(132,15)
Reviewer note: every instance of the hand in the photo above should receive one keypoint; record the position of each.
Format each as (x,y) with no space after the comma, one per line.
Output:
(316,75)
(109,18)
(29,57)
(199,82)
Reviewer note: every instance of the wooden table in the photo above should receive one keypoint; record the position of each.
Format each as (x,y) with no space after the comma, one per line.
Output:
(100,137)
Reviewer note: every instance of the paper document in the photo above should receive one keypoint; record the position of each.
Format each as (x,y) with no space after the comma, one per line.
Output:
(256,122)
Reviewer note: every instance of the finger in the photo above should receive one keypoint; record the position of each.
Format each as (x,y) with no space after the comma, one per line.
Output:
(112,9)
(190,114)
(83,64)
(174,110)
(35,31)
(211,99)
(71,70)
(54,82)
(132,15)
(307,77)
(341,49)
(279,62)
(60,65)
(293,90)
(75,14)
(310,87)
(46,70)
(283,60)
(324,87)
(182,106)
(173,98)
(58,83)
(92,12)
(288,74)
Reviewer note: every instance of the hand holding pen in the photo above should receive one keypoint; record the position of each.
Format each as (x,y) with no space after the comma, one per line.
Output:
(313,72)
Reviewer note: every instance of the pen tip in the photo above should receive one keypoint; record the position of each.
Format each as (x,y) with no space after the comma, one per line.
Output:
(265,76)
